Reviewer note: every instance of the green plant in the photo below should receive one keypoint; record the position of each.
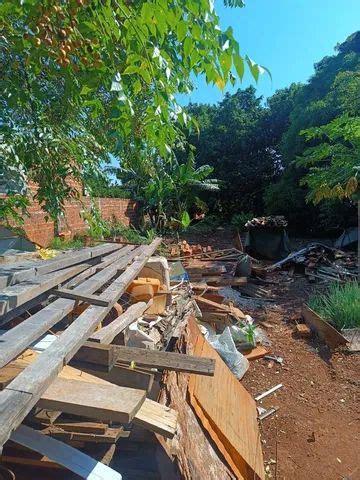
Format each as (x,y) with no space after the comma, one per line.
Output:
(129,233)
(339,305)
(98,227)
(208,225)
(239,219)
(58,243)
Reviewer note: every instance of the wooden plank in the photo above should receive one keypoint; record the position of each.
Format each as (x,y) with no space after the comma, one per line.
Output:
(157,418)
(109,403)
(164,360)
(16,295)
(256,353)
(91,299)
(108,333)
(231,281)
(125,377)
(327,332)
(82,427)
(110,436)
(17,399)
(42,462)
(59,452)
(17,339)
(97,354)
(227,411)
(47,416)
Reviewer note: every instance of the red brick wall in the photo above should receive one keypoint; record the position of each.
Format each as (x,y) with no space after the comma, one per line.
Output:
(40,231)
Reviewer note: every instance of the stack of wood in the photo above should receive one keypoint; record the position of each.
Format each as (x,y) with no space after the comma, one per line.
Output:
(109,388)
(277,221)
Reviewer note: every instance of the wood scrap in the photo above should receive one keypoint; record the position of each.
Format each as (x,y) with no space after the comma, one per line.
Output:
(25,390)
(108,333)
(69,457)
(91,299)
(327,332)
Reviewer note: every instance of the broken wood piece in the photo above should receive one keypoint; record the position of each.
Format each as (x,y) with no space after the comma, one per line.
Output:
(71,295)
(157,417)
(47,416)
(108,333)
(82,427)
(59,452)
(109,403)
(224,281)
(302,330)
(164,360)
(268,392)
(256,353)
(110,435)
(100,356)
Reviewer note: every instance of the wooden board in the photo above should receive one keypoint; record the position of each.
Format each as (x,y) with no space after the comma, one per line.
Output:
(108,333)
(125,377)
(63,454)
(110,436)
(256,353)
(71,295)
(157,418)
(227,411)
(16,295)
(109,403)
(17,339)
(96,354)
(20,396)
(164,360)
(327,332)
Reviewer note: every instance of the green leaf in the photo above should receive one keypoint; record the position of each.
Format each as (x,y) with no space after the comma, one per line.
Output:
(181,30)
(239,65)
(188,46)
(131,69)
(185,220)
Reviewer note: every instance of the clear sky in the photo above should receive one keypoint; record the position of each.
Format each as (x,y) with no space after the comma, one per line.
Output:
(287,36)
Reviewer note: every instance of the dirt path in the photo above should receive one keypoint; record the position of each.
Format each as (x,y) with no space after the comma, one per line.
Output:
(315,433)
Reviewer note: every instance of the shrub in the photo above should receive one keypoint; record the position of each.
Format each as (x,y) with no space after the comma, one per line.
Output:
(59,244)
(339,305)
(239,219)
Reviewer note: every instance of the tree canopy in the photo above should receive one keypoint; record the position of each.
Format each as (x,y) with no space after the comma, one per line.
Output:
(85,78)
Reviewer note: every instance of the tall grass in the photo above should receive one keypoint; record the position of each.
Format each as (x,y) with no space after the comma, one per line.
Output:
(339,305)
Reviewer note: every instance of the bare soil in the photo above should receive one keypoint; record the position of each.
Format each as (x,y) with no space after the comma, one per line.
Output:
(315,433)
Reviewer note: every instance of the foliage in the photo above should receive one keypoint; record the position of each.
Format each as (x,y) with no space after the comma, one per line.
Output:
(130,234)
(334,163)
(13,207)
(239,219)
(208,225)
(340,305)
(85,78)
(58,243)
(235,142)
(98,227)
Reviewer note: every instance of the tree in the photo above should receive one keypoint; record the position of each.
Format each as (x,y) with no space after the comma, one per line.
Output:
(88,78)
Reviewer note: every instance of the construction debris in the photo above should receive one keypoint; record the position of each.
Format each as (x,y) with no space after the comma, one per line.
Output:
(320,262)
(277,221)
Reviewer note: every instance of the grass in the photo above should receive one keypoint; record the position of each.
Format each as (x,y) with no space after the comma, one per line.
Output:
(339,305)
(58,244)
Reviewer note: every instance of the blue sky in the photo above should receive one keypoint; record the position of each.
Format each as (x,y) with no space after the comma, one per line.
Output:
(287,36)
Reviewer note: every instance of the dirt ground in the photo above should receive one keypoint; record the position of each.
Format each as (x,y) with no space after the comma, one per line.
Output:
(315,433)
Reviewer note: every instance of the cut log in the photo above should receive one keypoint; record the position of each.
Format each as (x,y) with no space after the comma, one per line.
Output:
(17,399)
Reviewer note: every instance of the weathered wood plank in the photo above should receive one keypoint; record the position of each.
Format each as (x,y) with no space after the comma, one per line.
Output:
(97,354)
(327,332)
(125,377)
(157,418)
(71,295)
(61,453)
(16,295)
(17,399)
(164,360)
(109,403)
(108,333)
(16,340)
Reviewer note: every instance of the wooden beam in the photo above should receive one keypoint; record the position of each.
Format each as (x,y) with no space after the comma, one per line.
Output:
(108,333)
(157,418)
(18,398)
(59,452)
(96,354)
(108,403)
(125,377)
(17,339)
(110,436)
(71,295)
(16,295)
(164,360)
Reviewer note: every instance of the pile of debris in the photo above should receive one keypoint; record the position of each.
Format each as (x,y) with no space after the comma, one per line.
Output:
(318,261)
(277,221)
(90,342)
(183,249)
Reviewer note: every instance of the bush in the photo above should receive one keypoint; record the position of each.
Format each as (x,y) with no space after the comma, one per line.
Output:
(208,225)
(239,219)
(59,244)
(339,305)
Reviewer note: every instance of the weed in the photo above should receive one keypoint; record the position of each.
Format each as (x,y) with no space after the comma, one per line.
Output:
(339,305)
(58,244)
